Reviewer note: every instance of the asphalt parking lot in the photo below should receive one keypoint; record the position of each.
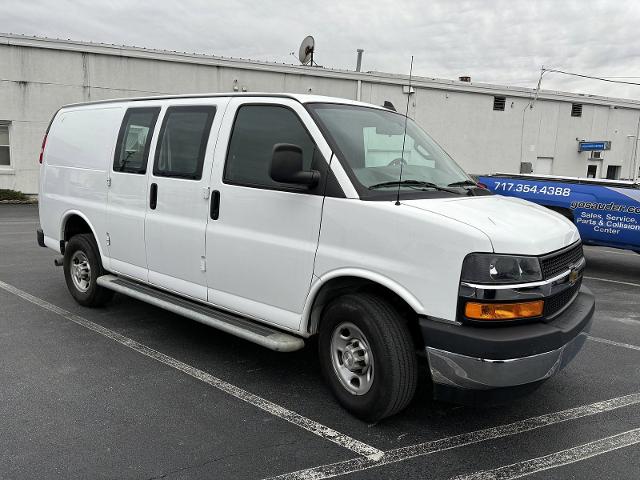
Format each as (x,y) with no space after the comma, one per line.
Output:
(132,391)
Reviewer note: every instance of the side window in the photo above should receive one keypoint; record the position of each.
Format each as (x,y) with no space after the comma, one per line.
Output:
(183,141)
(134,140)
(256,130)
(5,157)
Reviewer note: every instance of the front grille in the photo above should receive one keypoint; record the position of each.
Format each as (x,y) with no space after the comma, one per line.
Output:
(558,262)
(554,304)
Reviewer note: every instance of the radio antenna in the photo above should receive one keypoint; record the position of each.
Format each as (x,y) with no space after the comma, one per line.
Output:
(404,136)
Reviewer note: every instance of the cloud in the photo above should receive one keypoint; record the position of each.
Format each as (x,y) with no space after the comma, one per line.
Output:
(494,41)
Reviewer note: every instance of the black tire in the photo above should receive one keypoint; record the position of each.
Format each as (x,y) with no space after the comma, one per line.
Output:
(94,295)
(395,369)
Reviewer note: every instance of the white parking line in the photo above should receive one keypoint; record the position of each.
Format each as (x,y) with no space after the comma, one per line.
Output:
(607,252)
(558,459)
(611,342)
(614,281)
(290,416)
(462,440)
(19,222)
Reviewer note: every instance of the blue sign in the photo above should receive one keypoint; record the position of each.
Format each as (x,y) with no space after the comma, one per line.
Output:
(605,215)
(593,146)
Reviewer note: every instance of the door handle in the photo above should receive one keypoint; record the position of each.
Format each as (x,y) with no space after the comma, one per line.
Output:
(215,204)
(153,196)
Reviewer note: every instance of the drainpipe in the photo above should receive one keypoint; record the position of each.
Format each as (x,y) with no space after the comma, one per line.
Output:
(359,62)
(358,67)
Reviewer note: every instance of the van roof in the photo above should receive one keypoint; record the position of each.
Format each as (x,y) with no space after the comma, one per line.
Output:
(302,98)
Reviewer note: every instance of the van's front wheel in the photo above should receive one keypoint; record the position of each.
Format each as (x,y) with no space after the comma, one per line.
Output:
(82,267)
(367,356)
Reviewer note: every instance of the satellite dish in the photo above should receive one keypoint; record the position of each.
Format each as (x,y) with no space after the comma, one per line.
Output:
(305,54)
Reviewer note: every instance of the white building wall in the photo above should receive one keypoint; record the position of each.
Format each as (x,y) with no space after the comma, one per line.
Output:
(37,76)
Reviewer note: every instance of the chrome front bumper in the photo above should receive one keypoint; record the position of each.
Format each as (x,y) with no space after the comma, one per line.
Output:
(455,370)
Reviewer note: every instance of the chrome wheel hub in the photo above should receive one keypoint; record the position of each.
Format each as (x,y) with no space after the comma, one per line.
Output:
(80,271)
(352,358)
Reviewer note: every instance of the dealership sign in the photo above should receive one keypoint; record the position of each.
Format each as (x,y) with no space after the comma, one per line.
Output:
(585,146)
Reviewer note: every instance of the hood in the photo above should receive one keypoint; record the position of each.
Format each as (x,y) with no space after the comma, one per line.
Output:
(513,225)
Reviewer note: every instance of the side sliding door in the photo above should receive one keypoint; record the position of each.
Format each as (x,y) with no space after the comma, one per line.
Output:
(178,194)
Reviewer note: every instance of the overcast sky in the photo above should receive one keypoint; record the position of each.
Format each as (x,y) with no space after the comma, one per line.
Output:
(494,41)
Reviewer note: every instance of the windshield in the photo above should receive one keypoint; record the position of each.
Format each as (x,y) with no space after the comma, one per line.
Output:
(370,143)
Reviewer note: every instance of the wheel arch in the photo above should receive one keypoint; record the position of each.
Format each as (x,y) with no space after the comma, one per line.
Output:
(75,222)
(340,282)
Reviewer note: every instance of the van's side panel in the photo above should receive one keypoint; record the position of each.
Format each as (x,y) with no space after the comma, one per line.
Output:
(79,150)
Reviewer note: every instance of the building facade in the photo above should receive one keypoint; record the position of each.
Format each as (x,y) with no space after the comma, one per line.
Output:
(486,128)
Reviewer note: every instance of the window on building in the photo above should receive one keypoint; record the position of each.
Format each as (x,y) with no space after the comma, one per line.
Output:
(499,103)
(576,109)
(613,172)
(183,141)
(592,171)
(5,154)
(256,130)
(134,140)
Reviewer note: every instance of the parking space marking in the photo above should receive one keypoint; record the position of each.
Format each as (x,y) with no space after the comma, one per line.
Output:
(611,342)
(18,222)
(614,281)
(607,252)
(367,451)
(603,251)
(405,453)
(16,233)
(558,459)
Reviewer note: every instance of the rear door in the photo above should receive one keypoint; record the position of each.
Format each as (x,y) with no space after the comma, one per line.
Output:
(178,193)
(127,197)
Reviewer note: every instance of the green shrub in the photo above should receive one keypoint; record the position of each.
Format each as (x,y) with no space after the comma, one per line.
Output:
(12,195)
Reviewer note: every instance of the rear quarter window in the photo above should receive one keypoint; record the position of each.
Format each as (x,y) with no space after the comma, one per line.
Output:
(134,140)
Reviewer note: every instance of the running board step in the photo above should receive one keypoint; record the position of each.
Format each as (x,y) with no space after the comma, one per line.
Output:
(227,322)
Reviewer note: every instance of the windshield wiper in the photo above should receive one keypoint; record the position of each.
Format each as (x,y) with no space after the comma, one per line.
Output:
(416,184)
(463,183)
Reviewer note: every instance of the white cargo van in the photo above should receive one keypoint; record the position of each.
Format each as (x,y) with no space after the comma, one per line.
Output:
(279,217)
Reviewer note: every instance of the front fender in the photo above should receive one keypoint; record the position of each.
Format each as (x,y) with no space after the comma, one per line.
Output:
(364,274)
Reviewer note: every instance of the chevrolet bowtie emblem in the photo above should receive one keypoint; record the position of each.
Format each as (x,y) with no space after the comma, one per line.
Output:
(573,276)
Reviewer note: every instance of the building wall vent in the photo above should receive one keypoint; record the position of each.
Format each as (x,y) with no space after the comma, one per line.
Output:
(499,103)
(576,109)
(526,167)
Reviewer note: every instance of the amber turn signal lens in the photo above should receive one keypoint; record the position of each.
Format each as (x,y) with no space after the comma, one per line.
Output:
(503,311)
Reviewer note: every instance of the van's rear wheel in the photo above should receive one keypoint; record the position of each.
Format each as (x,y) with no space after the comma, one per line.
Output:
(367,356)
(82,267)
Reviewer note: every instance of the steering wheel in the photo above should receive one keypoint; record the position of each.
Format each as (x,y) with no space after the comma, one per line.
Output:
(396,162)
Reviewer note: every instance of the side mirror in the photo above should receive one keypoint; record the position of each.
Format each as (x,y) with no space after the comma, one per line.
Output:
(286,166)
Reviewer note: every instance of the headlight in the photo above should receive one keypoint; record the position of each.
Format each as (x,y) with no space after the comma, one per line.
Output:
(493,268)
